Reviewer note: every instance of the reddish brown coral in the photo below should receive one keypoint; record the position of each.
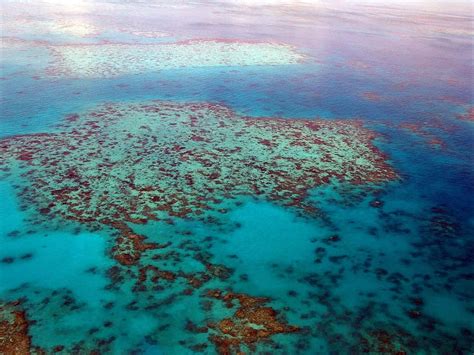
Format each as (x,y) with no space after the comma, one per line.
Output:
(421,131)
(129,246)
(252,322)
(14,338)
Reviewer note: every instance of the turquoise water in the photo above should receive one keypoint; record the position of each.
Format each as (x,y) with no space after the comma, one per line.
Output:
(384,266)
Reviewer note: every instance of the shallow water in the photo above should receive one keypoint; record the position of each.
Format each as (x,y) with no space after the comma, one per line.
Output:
(285,179)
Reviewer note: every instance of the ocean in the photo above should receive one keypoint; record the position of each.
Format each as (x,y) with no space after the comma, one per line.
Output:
(224,177)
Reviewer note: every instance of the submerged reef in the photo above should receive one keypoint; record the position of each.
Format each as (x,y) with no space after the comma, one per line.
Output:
(134,163)
(110,60)
(468,115)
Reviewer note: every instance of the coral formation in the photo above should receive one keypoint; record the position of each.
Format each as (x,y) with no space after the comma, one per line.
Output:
(109,60)
(154,160)
(251,322)
(14,338)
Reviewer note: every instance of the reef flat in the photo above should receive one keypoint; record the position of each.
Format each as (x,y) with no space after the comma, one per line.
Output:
(155,160)
(109,60)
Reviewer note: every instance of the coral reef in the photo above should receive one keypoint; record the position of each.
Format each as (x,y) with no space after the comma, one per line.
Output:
(109,60)
(251,322)
(468,115)
(149,161)
(14,338)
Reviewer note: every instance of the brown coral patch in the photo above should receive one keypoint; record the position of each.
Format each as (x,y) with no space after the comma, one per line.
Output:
(14,338)
(252,322)
(129,246)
